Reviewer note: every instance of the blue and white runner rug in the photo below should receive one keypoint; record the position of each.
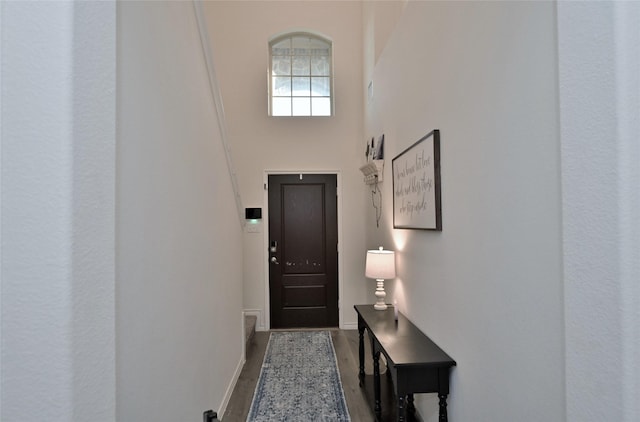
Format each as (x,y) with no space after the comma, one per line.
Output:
(299,380)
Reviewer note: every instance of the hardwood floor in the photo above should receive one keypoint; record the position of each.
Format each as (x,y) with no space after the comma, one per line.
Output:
(345,343)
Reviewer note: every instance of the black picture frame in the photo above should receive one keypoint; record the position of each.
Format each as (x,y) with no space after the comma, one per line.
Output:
(417,196)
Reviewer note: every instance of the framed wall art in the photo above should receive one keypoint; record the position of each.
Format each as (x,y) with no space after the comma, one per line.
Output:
(416,185)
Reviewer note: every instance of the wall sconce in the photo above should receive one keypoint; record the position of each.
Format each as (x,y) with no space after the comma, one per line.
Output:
(380,265)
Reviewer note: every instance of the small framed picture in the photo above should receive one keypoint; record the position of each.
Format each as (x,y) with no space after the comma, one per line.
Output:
(378,150)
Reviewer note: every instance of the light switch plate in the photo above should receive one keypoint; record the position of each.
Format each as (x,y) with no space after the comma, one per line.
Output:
(254,228)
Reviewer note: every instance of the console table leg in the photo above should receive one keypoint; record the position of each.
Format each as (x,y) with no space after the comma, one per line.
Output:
(443,408)
(401,417)
(361,353)
(376,384)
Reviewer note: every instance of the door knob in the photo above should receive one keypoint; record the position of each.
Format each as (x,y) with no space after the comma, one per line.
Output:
(274,260)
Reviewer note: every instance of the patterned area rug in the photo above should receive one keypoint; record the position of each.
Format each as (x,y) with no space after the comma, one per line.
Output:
(299,380)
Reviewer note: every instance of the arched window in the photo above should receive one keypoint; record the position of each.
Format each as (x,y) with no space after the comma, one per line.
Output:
(300,82)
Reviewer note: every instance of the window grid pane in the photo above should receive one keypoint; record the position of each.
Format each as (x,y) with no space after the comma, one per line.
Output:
(301,77)
(320,66)
(301,106)
(281,66)
(321,106)
(281,86)
(320,87)
(301,87)
(301,65)
(281,106)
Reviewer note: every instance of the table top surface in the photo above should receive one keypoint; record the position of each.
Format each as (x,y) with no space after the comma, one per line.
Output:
(403,343)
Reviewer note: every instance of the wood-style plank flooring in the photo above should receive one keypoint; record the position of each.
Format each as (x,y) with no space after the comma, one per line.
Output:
(345,343)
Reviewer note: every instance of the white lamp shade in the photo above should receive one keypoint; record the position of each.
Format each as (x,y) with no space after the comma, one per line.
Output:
(381,264)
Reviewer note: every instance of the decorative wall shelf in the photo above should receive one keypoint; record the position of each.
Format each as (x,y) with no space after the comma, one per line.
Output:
(373,171)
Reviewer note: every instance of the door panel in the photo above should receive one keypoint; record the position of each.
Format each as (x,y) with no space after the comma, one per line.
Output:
(303,238)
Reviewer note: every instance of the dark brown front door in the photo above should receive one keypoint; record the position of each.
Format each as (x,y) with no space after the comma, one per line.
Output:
(303,250)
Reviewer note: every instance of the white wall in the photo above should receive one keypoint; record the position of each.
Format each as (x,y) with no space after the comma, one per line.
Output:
(492,297)
(488,288)
(58,196)
(240,32)
(599,97)
(179,292)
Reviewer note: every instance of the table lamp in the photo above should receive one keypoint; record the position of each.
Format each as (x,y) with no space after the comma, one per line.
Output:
(380,265)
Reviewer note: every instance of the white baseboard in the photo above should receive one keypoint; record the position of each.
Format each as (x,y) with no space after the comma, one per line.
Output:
(230,388)
(260,326)
(350,326)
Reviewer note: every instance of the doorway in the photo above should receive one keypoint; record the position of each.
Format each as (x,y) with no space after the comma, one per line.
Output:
(303,250)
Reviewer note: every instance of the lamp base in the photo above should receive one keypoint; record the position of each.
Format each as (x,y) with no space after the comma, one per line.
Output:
(380,295)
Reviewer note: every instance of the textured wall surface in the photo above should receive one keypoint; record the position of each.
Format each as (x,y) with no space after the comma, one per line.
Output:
(488,288)
(58,175)
(599,99)
(179,250)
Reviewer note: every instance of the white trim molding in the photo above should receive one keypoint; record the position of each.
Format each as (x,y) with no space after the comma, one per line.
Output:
(259,314)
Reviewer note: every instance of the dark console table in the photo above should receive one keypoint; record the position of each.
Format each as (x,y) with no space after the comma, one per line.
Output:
(416,364)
